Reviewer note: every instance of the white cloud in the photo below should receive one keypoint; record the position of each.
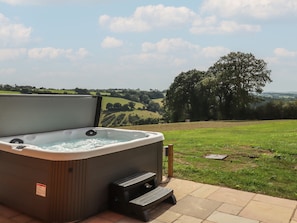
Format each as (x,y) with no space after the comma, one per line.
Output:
(214,52)
(169,45)
(53,53)
(12,33)
(174,52)
(77,55)
(47,52)
(178,46)
(253,8)
(282,52)
(42,53)
(211,25)
(111,42)
(10,54)
(148,17)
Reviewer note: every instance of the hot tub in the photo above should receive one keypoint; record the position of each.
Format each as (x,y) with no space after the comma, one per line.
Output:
(60,170)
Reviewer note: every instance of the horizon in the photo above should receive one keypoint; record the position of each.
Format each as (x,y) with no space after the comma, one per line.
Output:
(102,89)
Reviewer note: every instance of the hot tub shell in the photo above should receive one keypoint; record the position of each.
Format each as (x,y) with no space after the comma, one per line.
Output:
(65,186)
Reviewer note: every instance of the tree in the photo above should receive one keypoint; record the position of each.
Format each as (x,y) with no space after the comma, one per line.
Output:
(109,106)
(225,91)
(238,77)
(183,97)
(131,105)
(153,106)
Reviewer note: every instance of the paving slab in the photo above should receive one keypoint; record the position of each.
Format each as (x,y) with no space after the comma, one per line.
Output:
(230,209)
(230,196)
(196,207)
(182,187)
(188,219)
(205,190)
(220,217)
(267,212)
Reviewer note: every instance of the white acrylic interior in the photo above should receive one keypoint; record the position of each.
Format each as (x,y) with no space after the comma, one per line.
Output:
(32,145)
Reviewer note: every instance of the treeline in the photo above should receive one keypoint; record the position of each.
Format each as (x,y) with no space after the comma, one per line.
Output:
(28,89)
(274,109)
(116,107)
(144,97)
(123,119)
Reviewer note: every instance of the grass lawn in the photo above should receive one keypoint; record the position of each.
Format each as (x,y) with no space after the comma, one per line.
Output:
(9,92)
(262,155)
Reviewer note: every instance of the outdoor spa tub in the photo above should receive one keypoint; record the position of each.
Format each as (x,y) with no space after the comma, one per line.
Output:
(56,164)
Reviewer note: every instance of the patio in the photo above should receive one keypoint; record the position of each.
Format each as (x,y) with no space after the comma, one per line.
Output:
(197,203)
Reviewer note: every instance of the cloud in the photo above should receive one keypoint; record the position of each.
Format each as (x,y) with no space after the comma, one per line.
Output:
(180,46)
(174,52)
(12,33)
(251,8)
(169,46)
(146,18)
(216,51)
(10,54)
(211,25)
(282,52)
(111,42)
(54,53)
(42,53)
(77,55)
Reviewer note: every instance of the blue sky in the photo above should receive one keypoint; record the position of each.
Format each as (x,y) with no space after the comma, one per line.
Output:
(144,44)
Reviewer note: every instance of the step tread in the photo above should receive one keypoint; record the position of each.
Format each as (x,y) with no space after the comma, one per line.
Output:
(152,197)
(135,179)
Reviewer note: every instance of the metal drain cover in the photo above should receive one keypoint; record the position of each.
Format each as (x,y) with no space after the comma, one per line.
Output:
(216,156)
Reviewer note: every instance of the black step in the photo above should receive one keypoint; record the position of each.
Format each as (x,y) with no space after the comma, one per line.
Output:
(137,193)
(142,204)
(135,180)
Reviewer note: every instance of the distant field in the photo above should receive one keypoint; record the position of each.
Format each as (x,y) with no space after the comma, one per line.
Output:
(158,100)
(113,100)
(261,155)
(122,118)
(9,92)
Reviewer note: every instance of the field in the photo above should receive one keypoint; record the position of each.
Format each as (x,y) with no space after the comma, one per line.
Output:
(261,155)
(122,101)
(9,92)
(122,118)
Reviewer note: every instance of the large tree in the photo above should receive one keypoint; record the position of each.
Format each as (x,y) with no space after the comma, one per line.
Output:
(225,91)
(239,77)
(183,99)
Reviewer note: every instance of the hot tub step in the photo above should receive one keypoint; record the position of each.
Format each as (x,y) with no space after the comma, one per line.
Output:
(142,204)
(135,180)
(137,193)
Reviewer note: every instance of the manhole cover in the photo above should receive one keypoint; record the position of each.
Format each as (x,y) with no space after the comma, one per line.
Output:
(216,156)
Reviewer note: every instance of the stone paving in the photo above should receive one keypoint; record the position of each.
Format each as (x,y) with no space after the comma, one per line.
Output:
(197,203)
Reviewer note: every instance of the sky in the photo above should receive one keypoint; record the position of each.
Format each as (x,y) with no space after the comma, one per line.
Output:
(102,44)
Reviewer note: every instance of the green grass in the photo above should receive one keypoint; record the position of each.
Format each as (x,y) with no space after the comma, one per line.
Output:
(9,92)
(262,155)
(159,101)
